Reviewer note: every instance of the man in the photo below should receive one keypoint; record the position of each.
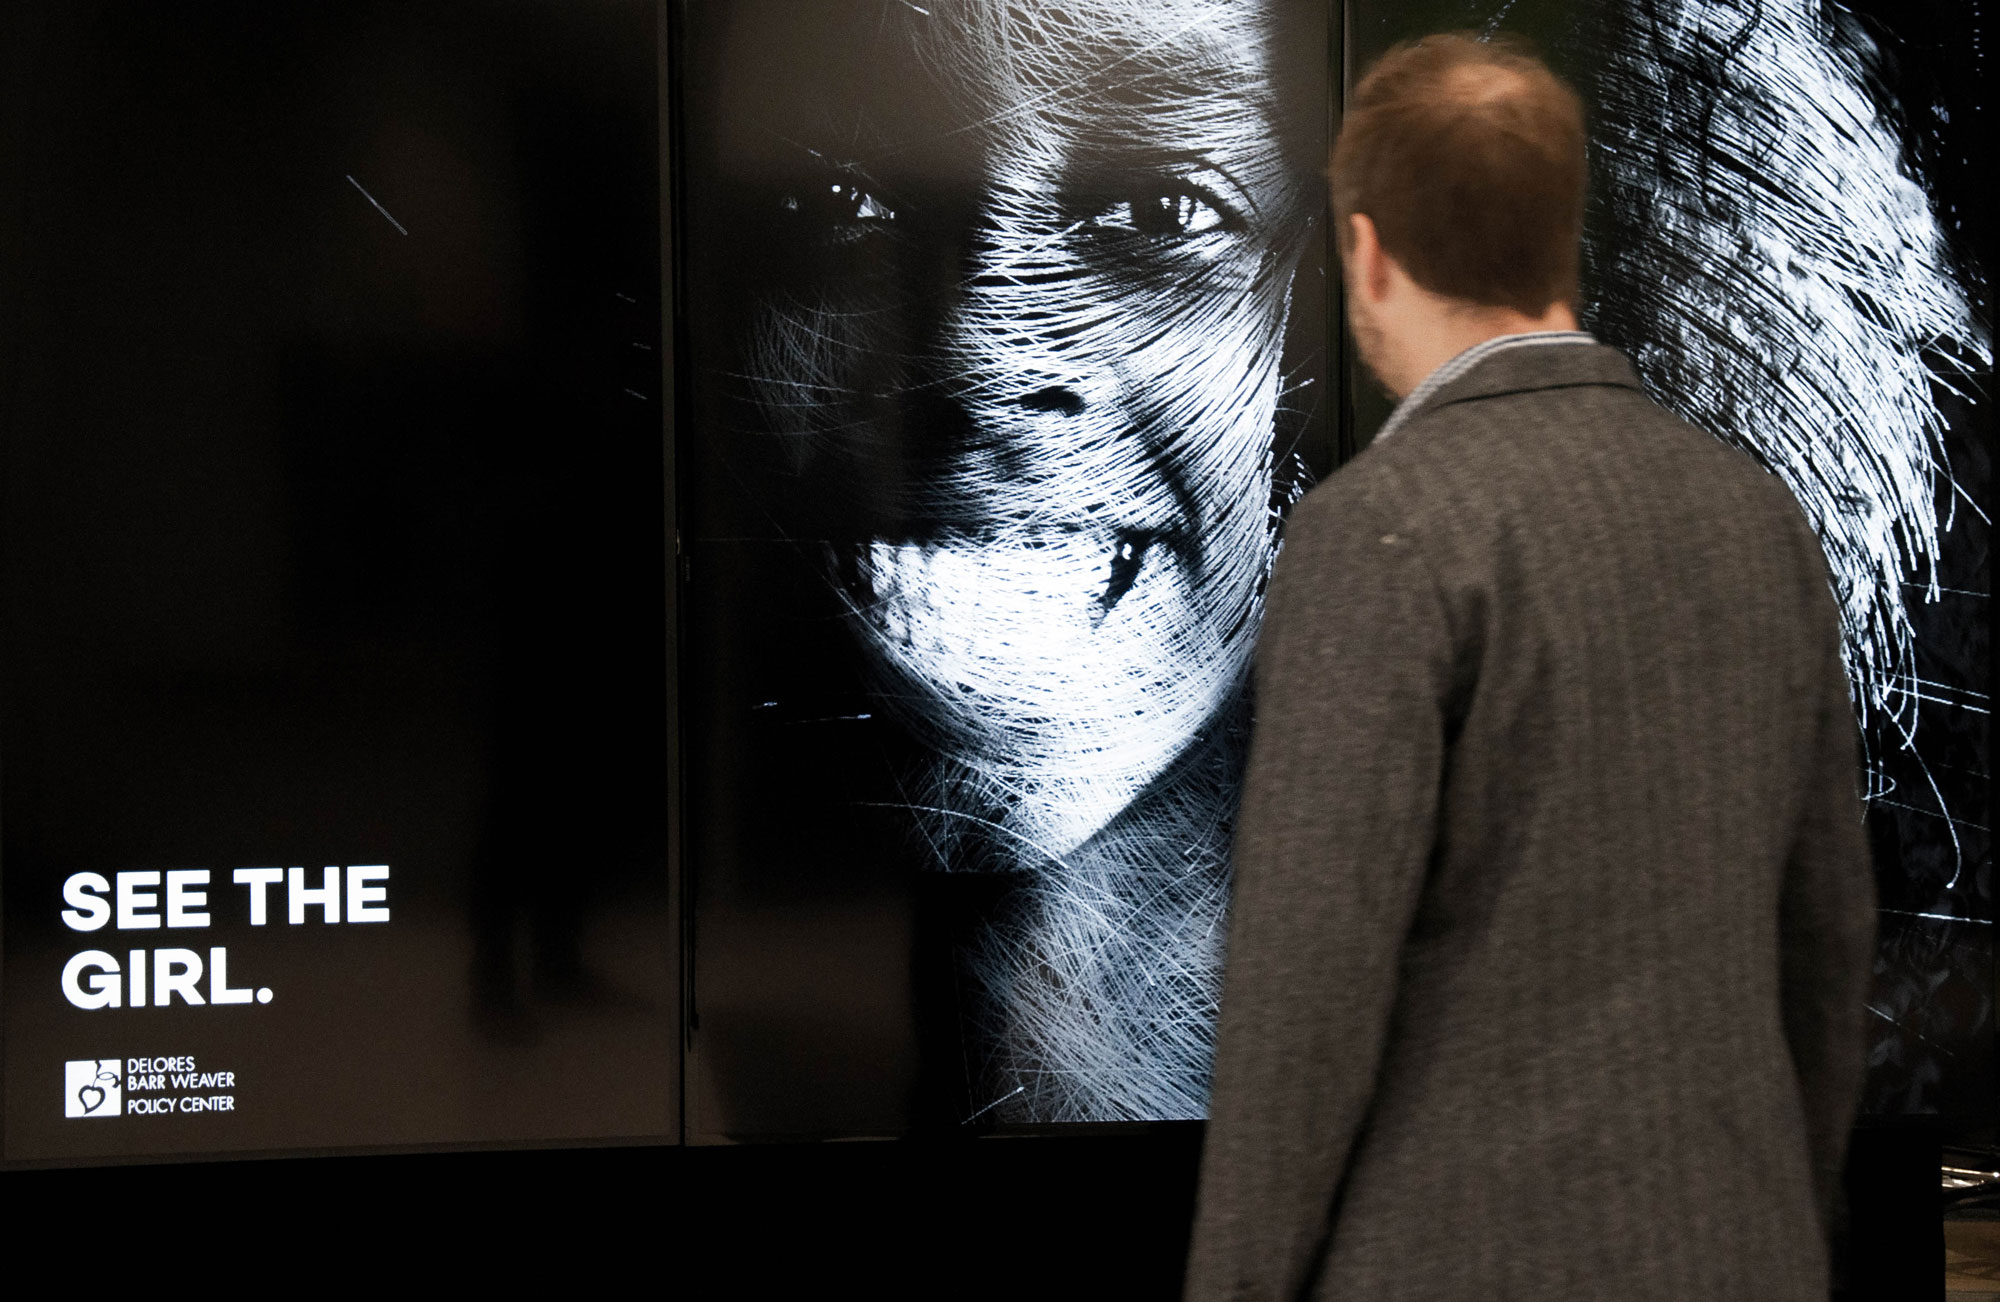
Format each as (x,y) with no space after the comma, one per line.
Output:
(1553,914)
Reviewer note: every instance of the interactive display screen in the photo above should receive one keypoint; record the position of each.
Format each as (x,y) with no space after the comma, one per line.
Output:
(342,655)
(333,580)
(1008,345)
(1779,235)
(979,510)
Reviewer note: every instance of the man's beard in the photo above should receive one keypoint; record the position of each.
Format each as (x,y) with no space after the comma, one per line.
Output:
(1371,344)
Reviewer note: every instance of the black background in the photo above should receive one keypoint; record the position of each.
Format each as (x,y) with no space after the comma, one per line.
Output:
(335,535)
(1103,1217)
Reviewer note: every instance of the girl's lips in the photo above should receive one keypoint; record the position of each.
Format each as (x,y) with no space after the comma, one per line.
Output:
(1096,564)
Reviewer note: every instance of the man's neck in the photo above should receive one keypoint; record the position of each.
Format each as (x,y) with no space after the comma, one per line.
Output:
(1439,330)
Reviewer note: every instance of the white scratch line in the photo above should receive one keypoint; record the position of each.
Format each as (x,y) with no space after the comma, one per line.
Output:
(1928,813)
(400,229)
(1018,1089)
(1940,917)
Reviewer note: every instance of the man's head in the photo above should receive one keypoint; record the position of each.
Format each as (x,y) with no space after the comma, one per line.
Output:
(1458,184)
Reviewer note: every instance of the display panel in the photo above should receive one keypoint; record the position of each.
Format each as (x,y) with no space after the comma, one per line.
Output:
(1781,236)
(333,582)
(1007,336)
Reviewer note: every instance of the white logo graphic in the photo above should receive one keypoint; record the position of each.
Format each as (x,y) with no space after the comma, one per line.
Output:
(93,1087)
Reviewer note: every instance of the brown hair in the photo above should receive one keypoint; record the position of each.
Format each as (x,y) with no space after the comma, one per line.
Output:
(1468,156)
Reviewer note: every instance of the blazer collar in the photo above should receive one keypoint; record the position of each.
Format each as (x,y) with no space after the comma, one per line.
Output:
(1527,370)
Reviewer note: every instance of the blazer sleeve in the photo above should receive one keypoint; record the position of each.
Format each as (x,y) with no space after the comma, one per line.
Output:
(1335,837)
(1827,921)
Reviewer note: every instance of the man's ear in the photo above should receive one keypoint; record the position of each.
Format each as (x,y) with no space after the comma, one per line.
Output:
(1368,265)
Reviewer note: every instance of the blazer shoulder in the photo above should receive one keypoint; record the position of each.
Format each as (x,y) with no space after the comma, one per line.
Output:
(1367,493)
(1384,482)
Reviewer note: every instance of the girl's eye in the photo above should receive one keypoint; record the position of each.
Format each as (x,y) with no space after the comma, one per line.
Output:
(1174,210)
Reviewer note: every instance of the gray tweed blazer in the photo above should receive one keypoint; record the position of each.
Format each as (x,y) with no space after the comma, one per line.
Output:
(1554,914)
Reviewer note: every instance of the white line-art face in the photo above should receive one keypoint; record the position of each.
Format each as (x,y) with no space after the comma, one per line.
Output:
(1039,356)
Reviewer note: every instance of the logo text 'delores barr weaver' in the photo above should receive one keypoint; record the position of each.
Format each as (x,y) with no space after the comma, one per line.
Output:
(146,900)
(110,1087)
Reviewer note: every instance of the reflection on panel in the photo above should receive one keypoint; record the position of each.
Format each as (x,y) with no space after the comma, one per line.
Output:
(1007,331)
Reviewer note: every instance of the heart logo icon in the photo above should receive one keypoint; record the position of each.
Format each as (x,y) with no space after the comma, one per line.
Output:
(91,1104)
